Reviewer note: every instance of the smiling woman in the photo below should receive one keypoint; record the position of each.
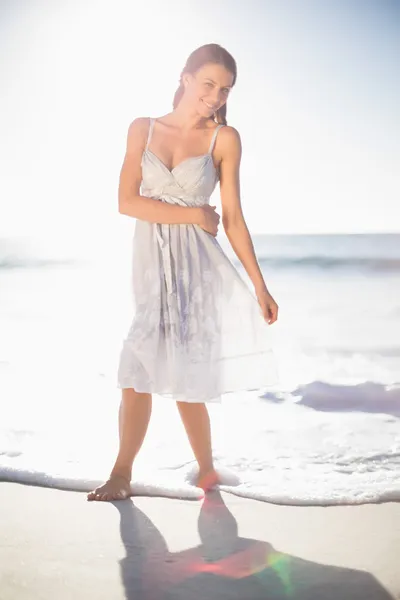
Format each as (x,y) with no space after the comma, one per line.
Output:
(197,331)
(203,87)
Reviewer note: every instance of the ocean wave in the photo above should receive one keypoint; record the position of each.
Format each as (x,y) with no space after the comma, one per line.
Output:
(368,397)
(275,262)
(15,262)
(320,253)
(33,254)
(331,262)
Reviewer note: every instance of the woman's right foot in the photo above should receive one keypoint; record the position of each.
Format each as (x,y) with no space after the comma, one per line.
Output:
(117,487)
(207,480)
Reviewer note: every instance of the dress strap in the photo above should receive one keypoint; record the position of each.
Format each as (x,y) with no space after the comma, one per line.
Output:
(150,131)
(214,137)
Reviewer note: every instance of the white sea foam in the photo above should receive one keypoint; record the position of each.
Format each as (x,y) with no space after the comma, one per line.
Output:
(268,449)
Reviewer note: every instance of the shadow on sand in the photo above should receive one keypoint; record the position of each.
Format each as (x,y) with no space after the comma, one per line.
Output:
(226,565)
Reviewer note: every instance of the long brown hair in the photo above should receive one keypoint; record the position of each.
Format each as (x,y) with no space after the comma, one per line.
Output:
(209,53)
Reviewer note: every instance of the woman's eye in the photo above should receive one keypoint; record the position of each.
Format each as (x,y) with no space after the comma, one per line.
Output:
(208,83)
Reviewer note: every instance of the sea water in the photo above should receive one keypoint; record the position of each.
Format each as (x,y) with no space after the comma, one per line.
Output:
(328,433)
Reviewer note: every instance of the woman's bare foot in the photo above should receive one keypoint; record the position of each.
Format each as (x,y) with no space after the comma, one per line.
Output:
(117,487)
(207,480)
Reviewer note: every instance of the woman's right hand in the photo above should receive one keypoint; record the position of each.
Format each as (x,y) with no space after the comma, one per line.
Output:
(209,219)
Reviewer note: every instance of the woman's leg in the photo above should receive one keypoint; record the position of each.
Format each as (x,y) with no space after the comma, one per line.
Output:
(196,420)
(134,416)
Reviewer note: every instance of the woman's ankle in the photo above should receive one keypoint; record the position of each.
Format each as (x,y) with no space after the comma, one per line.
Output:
(123,472)
(205,469)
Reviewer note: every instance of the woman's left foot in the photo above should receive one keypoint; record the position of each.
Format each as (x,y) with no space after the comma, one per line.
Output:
(207,480)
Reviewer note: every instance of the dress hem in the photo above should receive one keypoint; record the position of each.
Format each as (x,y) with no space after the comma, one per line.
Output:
(180,397)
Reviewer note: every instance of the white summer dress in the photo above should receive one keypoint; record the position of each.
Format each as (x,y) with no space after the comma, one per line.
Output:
(197,329)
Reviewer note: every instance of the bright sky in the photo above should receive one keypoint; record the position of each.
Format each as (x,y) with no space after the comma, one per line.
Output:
(316,103)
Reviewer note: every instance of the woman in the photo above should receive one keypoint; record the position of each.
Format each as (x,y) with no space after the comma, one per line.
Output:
(197,331)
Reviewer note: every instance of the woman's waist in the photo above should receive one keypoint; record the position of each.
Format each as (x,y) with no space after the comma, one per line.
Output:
(178,199)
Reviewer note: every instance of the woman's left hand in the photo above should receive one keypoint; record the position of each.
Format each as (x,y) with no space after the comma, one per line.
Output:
(269,307)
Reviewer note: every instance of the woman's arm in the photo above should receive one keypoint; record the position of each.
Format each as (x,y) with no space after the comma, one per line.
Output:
(232,216)
(130,202)
(233,220)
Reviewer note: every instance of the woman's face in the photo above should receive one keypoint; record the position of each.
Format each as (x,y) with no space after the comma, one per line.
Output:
(208,88)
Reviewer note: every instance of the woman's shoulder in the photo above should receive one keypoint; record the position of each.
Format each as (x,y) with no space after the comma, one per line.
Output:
(229,131)
(138,130)
(139,124)
(229,136)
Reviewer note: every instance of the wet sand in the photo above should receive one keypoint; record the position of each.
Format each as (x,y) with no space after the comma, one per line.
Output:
(55,544)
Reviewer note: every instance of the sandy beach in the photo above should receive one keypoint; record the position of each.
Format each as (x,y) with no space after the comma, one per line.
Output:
(55,544)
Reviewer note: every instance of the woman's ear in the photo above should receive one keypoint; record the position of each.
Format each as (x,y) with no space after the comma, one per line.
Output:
(186,79)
